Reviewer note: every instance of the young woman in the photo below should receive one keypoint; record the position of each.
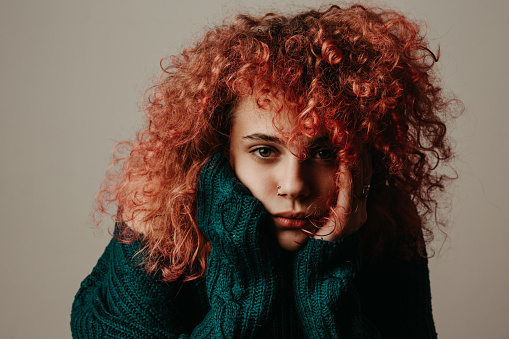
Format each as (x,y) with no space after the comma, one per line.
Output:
(281,187)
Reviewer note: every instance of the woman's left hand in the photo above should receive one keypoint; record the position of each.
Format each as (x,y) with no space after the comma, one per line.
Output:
(350,210)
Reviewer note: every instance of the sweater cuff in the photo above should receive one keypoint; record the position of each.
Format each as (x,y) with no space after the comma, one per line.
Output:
(324,274)
(319,253)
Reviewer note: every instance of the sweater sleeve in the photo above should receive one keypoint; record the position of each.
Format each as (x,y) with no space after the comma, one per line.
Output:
(327,300)
(240,277)
(119,300)
(335,298)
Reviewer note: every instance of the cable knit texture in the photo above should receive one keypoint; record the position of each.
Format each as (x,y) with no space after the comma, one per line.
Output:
(326,297)
(253,288)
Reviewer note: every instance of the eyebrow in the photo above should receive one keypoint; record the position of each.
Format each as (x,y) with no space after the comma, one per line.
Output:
(262,137)
(269,138)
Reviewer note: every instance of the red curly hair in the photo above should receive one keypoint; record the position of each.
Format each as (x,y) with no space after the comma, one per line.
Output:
(364,74)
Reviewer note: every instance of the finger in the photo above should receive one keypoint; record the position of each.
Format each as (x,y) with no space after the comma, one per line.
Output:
(339,218)
(346,183)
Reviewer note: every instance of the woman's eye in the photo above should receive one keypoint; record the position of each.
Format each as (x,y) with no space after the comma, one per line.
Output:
(263,152)
(326,154)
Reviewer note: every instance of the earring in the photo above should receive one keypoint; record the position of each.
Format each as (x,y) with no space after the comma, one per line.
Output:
(278,187)
(365,192)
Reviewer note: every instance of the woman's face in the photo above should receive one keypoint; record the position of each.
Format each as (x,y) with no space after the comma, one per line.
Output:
(263,161)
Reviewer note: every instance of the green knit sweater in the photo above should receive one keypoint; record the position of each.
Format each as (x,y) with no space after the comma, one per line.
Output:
(252,287)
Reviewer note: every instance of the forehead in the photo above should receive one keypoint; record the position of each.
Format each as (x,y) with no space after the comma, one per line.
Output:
(263,114)
(270,120)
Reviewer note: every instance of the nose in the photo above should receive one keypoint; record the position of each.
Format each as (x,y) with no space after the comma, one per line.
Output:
(294,179)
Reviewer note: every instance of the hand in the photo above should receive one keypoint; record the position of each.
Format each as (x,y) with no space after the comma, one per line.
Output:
(350,211)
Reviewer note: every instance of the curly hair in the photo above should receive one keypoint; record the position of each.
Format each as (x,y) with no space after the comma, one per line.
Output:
(365,74)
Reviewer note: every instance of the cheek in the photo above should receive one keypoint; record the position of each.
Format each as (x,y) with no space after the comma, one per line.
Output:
(325,183)
(256,180)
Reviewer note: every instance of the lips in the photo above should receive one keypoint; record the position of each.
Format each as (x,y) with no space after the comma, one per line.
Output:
(291,220)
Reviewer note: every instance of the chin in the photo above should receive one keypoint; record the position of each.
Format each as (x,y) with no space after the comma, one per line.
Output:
(291,240)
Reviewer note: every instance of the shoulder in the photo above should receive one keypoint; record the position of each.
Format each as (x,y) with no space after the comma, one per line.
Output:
(121,294)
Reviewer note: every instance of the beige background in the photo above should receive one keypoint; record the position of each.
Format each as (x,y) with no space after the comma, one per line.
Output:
(72,74)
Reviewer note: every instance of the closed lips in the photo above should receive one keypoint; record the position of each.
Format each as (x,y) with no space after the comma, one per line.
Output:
(291,221)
